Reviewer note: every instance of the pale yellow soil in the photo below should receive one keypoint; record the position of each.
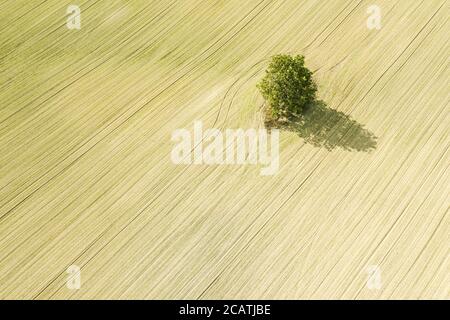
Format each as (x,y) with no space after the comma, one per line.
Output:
(86,177)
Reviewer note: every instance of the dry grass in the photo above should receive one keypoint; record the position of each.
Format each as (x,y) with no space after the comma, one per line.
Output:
(85,171)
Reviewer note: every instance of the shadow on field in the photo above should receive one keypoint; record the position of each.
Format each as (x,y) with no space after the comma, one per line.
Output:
(325,127)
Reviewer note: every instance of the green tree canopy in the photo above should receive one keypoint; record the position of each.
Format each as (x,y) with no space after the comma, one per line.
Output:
(287,86)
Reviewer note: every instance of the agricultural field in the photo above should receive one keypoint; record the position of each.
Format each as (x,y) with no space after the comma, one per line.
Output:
(359,206)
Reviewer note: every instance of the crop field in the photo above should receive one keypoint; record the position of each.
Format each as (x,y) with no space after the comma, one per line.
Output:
(359,208)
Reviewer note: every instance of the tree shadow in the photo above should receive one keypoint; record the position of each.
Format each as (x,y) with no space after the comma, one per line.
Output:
(325,127)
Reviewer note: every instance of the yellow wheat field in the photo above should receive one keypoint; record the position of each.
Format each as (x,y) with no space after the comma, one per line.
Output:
(86,177)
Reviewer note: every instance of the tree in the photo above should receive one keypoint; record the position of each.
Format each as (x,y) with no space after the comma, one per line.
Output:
(287,87)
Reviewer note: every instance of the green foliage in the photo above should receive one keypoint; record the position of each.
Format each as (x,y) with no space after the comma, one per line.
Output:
(287,87)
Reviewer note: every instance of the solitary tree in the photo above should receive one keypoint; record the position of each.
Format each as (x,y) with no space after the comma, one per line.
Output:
(287,87)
